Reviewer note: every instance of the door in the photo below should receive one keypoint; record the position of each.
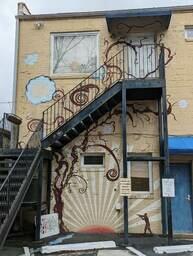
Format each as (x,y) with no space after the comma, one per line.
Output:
(182,202)
(142,61)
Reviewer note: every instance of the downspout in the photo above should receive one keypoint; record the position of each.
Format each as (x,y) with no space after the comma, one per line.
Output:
(15,69)
(22,9)
(14,133)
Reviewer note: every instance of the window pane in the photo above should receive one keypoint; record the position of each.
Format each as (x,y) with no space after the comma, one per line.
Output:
(75,53)
(189,33)
(93,160)
(139,184)
(139,176)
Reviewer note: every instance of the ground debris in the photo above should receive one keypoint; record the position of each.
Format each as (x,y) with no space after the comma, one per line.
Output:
(77,247)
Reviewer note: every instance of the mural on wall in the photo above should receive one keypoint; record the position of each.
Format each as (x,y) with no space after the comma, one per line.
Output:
(151,206)
(31,58)
(80,96)
(147,222)
(67,172)
(33,122)
(40,89)
(73,190)
(88,208)
(183,103)
(170,107)
(43,89)
(124,28)
(142,61)
(133,109)
(63,179)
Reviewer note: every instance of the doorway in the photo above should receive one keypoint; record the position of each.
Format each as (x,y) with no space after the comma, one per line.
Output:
(182,202)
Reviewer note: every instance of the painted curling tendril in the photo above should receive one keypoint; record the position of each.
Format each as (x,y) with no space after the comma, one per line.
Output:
(67,172)
(80,96)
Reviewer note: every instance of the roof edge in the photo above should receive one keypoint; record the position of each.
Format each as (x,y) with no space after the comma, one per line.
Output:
(106,13)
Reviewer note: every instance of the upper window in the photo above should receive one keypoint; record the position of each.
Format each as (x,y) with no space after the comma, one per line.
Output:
(140,173)
(74,53)
(189,33)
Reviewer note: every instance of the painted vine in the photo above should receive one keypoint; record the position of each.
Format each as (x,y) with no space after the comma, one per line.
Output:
(65,171)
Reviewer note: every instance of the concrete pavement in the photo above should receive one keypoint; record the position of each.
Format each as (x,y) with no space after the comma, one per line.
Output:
(144,244)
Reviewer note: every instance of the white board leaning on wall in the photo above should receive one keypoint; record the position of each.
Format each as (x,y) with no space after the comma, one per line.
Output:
(49,225)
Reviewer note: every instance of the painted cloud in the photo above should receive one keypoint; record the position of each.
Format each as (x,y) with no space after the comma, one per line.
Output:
(31,59)
(40,89)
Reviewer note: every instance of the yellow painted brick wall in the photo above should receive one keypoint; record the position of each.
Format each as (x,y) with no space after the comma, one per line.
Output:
(39,41)
(179,74)
(89,198)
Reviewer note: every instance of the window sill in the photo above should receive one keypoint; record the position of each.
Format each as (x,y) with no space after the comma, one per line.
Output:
(141,196)
(69,76)
(92,169)
(189,40)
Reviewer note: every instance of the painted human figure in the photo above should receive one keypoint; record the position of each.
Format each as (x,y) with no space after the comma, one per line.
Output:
(147,223)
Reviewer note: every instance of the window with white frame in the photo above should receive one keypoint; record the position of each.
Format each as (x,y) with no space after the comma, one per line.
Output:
(189,33)
(92,160)
(140,173)
(74,53)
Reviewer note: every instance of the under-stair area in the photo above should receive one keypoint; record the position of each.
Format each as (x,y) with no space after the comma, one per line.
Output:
(16,176)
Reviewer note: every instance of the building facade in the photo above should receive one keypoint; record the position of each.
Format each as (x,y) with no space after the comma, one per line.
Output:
(59,74)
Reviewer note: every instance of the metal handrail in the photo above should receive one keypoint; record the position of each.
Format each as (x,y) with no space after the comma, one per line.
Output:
(136,62)
(13,191)
(4,124)
(27,146)
(90,76)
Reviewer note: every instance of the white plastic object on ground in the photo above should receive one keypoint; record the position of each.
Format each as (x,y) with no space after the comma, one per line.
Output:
(78,246)
(173,249)
(136,252)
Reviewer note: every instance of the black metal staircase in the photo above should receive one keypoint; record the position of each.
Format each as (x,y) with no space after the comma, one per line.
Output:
(134,66)
(15,179)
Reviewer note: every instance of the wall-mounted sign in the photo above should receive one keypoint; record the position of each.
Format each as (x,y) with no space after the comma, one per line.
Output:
(125,186)
(168,188)
(49,225)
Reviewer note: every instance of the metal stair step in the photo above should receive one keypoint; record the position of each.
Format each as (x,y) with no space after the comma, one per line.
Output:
(5,161)
(2,216)
(3,201)
(6,169)
(2,169)
(3,194)
(12,184)
(21,161)
(15,177)
(3,205)
(14,153)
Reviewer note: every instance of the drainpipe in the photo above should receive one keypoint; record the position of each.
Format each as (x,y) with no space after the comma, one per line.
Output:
(124,155)
(15,70)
